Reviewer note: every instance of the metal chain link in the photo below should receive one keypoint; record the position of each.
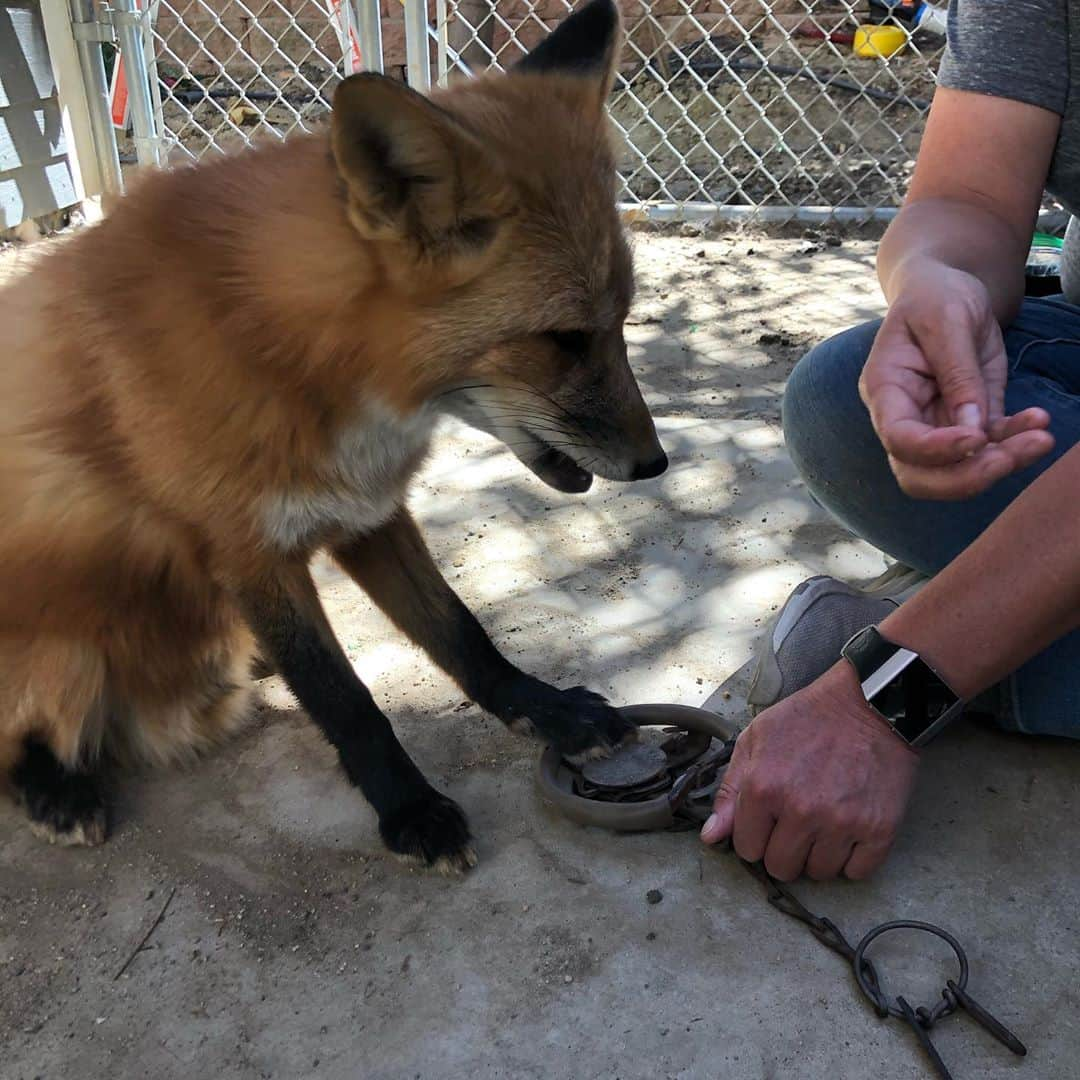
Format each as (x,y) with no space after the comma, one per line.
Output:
(825,930)
(687,803)
(749,105)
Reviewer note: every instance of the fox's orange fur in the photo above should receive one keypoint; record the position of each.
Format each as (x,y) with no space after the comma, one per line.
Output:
(180,384)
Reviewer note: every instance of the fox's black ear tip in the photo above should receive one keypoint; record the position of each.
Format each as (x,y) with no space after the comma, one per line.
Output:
(580,43)
(603,13)
(361,78)
(353,85)
(365,80)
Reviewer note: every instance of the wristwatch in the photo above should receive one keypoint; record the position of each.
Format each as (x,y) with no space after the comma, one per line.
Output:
(901,687)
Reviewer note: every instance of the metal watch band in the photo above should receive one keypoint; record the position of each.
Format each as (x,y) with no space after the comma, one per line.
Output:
(901,687)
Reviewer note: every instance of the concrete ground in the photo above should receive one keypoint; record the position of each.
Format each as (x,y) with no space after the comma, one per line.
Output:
(293,947)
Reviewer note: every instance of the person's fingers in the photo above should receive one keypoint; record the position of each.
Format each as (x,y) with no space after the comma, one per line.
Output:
(828,857)
(976,473)
(949,344)
(952,482)
(865,859)
(910,417)
(754,821)
(721,821)
(787,850)
(896,359)
(1033,419)
(995,365)
(918,443)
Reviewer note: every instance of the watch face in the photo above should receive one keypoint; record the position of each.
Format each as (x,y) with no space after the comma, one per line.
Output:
(906,702)
(900,685)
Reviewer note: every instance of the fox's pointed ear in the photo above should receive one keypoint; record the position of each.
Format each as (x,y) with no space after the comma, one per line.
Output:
(412,172)
(587,43)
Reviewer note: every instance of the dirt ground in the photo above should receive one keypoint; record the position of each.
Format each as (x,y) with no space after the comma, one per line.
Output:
(292,946)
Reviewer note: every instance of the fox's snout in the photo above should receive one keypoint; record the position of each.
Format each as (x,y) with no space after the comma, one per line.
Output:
(566,424)
(610,408)
(646,470)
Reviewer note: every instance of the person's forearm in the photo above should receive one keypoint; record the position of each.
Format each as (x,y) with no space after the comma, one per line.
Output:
(959,234)
(1014,591)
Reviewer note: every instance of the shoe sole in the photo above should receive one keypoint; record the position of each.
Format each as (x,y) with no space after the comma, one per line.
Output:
(898,583)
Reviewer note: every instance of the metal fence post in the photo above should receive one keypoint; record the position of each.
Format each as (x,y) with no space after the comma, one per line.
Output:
(369,28)
(155,83)
(416,45)
(72,93)
(88,41)
(128,24)
(441,25)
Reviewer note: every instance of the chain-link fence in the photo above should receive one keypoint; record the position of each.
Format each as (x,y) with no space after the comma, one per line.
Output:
(228,72)
(727,106)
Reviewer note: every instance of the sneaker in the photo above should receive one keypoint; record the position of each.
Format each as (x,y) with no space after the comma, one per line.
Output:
(816,621)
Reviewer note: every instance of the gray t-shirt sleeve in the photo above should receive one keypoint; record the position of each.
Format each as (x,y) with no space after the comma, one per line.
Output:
(1013,49)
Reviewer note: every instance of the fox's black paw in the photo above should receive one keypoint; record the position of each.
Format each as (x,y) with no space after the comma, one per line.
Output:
(64,807)
(577,722)
(431,830)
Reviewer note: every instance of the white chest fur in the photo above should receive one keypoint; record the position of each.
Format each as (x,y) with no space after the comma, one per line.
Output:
(359,486)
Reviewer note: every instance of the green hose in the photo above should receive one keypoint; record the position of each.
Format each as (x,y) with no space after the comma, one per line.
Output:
(1045,240)
(1043,269)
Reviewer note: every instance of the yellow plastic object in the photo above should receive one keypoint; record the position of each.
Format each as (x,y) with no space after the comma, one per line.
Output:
(879,42)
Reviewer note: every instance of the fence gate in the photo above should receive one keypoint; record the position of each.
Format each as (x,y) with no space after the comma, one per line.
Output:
(728,108)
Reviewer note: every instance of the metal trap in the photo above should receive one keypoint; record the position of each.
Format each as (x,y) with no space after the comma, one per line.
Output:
(665,781)
(668,781)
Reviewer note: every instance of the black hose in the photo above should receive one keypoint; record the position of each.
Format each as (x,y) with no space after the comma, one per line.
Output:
(191,97)
(702,67)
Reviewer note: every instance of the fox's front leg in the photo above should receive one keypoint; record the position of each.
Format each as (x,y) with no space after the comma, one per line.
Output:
(395,569)
(415,821)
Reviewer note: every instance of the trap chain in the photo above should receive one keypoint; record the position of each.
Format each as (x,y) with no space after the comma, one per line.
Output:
(668,782)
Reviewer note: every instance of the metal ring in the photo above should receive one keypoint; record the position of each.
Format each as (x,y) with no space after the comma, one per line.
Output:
(904,924)
(554,776)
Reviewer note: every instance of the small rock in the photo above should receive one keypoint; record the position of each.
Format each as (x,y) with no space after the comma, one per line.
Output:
(654,896)
(690,228)
(568,978)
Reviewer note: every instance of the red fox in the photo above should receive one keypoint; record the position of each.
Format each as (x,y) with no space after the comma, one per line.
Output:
(243,364)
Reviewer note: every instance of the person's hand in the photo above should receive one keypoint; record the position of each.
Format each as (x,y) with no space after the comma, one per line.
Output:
(935,387)
(817,783)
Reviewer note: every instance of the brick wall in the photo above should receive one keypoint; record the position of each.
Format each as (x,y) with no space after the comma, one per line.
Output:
(203,43)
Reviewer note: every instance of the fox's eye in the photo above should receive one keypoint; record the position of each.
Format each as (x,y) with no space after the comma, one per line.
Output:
(570,341)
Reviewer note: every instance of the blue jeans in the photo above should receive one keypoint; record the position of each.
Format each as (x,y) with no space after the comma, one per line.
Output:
(834,447)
